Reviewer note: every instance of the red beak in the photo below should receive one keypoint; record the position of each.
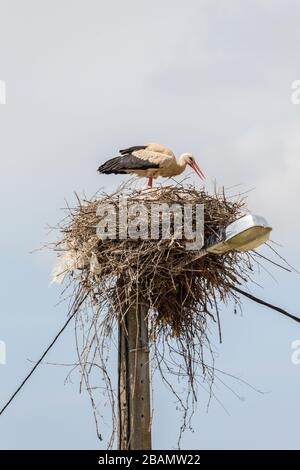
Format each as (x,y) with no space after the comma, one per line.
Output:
(197,170)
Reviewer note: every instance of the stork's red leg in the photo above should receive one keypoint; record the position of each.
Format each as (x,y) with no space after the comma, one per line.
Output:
(150,182)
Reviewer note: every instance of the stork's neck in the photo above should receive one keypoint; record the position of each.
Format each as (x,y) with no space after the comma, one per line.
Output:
(181,164)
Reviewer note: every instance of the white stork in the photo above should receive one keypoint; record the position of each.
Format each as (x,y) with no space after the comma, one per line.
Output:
(151,161)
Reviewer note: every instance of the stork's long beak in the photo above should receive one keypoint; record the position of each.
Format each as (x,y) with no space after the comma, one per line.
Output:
(197,170)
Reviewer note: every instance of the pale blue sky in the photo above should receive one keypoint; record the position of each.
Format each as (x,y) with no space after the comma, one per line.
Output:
(85,78)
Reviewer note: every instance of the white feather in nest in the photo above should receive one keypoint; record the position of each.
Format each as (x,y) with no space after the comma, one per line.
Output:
(69,261)
(95,267)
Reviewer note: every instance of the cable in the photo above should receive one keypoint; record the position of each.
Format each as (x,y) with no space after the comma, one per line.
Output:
(266,304)
(42,357)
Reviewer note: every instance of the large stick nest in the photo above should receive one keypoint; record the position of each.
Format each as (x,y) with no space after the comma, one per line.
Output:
(178,285)
(182,290)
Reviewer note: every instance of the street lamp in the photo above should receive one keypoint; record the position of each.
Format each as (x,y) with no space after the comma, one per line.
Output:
(244,234)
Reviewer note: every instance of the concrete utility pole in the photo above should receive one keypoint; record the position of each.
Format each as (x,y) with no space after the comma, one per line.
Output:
(134,414)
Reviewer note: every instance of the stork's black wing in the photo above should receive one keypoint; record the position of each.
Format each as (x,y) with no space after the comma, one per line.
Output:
(132,149)
(119,165)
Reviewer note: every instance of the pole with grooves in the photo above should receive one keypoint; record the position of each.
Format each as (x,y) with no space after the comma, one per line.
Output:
(134,413)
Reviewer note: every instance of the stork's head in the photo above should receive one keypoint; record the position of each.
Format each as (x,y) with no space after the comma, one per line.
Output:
(189,159)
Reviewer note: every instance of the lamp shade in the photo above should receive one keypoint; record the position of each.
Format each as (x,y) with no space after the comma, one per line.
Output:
(244,234)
